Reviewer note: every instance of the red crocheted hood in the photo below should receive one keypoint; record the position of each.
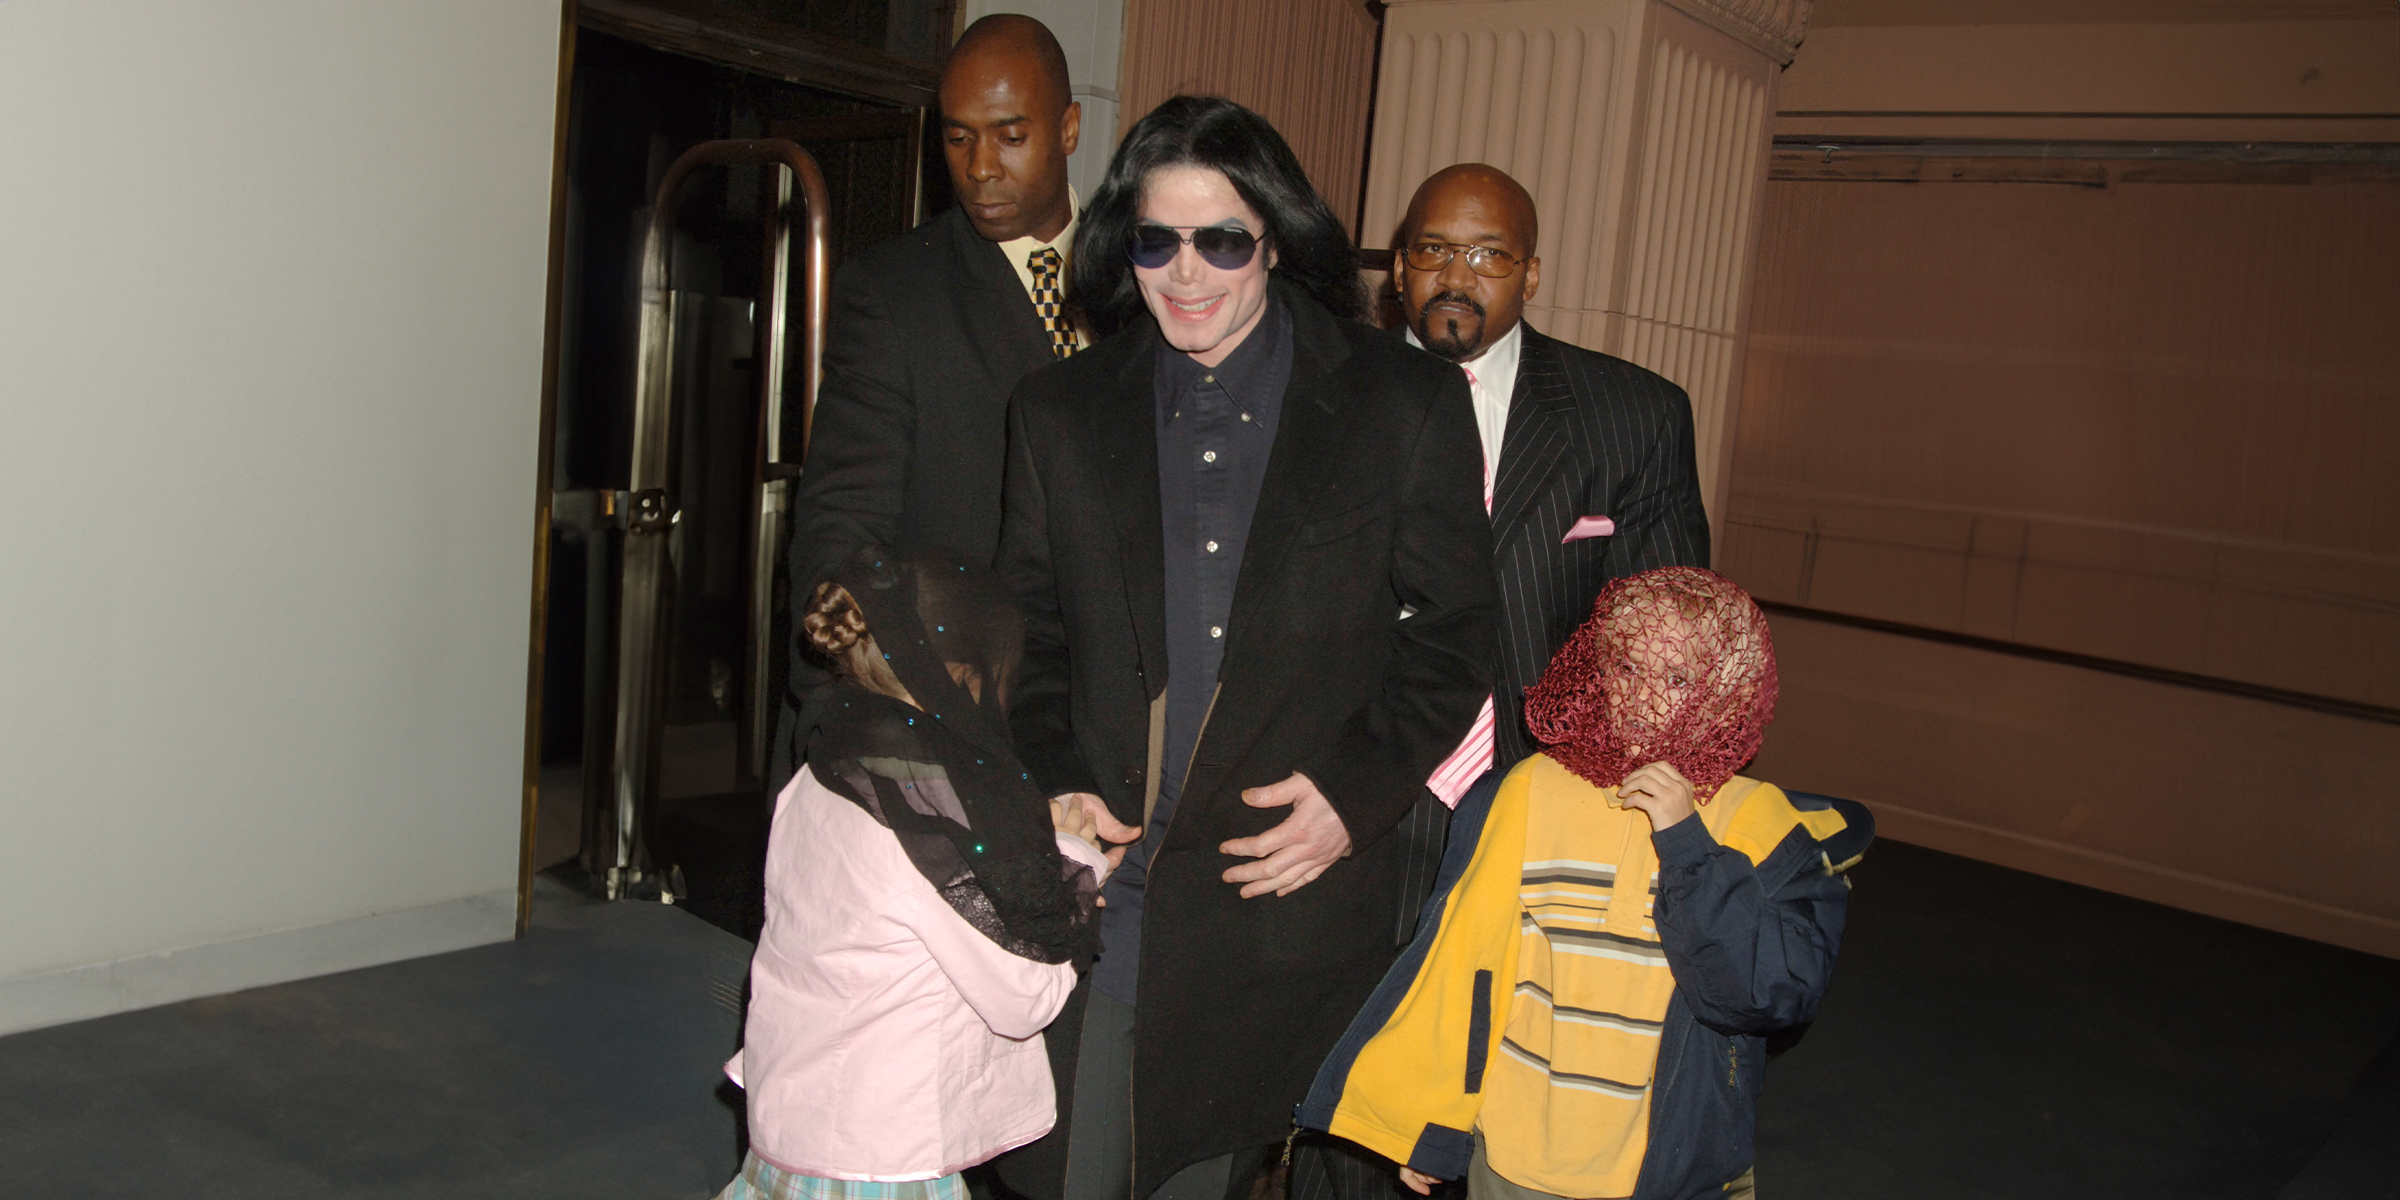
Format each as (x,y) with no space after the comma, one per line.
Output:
(1676,665)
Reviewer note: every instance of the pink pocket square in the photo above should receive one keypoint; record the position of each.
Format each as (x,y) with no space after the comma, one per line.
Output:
(1588,527)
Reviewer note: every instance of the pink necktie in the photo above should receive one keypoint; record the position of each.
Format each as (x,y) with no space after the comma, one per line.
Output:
(1474,754)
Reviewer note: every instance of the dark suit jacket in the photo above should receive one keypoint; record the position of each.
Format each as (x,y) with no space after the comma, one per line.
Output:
(928,333)
(1372,502)
(1588,435)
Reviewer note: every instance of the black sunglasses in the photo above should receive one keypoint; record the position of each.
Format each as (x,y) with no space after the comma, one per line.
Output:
(1227,248)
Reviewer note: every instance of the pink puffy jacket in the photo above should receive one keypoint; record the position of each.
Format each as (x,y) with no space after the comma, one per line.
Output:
(887,1039)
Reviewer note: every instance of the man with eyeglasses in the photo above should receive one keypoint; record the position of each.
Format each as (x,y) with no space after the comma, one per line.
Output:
(1589,476)
(1247,535)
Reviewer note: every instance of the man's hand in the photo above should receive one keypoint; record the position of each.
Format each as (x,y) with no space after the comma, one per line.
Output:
(1295,852)
(1660,791)
(1115,835)
(1418,1181)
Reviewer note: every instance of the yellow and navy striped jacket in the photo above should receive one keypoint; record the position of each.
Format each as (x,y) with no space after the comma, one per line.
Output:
(1594,998)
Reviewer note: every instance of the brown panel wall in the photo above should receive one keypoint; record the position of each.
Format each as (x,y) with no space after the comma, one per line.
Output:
(2148,422)
(2153,423)
(1306,65)
(2255,812)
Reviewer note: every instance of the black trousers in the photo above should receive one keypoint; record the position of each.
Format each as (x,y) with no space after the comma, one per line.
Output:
(1100,1137)
(1325,1167)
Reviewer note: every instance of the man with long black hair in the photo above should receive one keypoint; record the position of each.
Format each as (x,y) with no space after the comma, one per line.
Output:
(1248,535)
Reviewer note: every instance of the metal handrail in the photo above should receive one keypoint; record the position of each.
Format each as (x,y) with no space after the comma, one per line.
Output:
(652,511)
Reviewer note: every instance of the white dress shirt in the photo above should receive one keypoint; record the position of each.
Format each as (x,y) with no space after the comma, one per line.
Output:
(1492,379)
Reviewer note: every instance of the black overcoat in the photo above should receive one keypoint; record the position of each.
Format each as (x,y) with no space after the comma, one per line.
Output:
(1371,508)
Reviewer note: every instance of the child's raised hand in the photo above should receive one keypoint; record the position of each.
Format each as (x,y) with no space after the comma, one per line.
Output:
(1069,816)
(1083,815)
(1417,1181)
(1660,791)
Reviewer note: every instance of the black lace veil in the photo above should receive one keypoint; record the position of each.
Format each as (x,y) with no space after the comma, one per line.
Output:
(945,778)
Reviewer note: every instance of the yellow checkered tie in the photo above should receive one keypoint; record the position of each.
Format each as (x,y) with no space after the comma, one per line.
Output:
(1049,302)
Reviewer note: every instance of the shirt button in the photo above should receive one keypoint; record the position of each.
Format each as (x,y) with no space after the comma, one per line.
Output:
(1212,547)
(1208,379)
(1245,416)
(1216,631)
(1210,456)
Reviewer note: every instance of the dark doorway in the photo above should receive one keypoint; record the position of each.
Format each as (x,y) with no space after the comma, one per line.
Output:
(634,107)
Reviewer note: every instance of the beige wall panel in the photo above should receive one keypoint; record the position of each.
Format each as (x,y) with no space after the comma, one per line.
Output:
(1707,366)
(2255,812)
(2289,67)
(1692,236)
(1692,223)
(1308,66)
(2153,423)
(1530,88)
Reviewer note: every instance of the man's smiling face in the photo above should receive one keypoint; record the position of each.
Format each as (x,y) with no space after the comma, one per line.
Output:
(1203,310)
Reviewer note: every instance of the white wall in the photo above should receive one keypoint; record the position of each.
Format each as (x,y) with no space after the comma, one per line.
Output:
(1092,32)
(270,356)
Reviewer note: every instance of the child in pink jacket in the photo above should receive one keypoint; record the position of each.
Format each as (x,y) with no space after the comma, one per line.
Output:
(927,911)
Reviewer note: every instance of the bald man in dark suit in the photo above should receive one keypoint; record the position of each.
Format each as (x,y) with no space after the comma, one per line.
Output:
(931,330)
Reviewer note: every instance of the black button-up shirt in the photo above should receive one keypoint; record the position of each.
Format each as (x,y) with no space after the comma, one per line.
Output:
(1216,427)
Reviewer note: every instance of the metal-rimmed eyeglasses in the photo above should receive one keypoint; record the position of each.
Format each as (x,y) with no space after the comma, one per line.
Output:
(1225,247)
(1483,260)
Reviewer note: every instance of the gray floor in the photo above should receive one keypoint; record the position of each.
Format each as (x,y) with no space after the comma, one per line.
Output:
(1993,1033)
(1989,1034)
(579,1061)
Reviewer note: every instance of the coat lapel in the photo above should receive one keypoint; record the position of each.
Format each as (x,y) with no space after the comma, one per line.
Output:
(1124,423)
(1306,437)
(1002,325)
(1538,436)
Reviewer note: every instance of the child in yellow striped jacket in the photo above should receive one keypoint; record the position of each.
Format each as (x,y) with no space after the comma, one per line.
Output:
(1615,931)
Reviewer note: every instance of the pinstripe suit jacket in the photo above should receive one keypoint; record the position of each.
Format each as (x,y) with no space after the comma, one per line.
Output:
(1588,435)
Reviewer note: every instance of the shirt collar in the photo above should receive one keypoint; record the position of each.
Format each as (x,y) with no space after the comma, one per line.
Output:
(1244,372)
(1496,367)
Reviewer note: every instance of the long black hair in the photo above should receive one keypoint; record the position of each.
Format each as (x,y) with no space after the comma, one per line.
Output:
(1312,250)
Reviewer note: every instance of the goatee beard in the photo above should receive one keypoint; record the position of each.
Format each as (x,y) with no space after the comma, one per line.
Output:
(1451,344)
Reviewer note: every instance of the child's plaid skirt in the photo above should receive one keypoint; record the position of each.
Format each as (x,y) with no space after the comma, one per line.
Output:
(762,1180)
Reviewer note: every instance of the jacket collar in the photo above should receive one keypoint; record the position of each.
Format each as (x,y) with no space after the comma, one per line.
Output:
(1306,439)
(1005,331)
